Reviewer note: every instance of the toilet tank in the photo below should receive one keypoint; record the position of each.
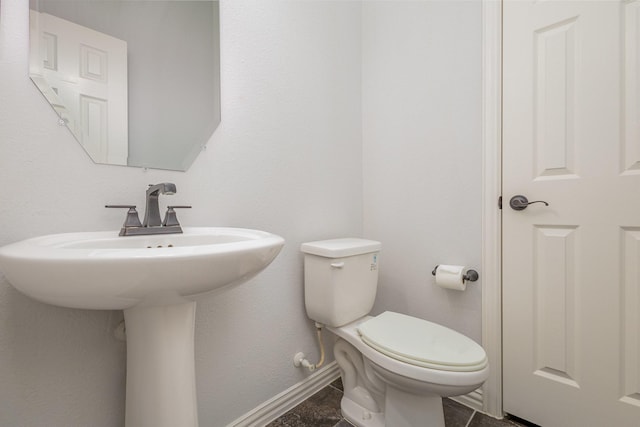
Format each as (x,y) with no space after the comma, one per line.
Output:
(340,279)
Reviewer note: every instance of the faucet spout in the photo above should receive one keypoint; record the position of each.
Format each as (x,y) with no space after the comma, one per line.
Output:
(152,211)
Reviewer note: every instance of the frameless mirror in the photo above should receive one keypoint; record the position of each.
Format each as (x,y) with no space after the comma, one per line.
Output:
(136,82)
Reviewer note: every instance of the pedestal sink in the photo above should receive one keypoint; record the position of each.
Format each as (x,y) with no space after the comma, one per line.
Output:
(153,279)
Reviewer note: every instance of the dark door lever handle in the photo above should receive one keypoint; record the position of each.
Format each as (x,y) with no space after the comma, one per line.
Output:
(520,202)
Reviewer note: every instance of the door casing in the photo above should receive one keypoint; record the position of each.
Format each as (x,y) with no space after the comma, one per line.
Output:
(491,213)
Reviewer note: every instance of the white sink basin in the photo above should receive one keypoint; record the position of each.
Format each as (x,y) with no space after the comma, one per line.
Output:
(101,270)
(152,278)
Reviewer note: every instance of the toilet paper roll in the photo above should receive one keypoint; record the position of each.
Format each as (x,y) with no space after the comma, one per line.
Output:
(450,277)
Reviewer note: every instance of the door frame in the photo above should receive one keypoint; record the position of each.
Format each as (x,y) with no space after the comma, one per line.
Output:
(491,213)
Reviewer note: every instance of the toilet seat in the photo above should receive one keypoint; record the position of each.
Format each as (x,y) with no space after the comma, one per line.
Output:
(422,343)
(350,334)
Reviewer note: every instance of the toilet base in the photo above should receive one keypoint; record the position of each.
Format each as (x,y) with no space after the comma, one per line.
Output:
(404,409)
(401,410)
(360,416)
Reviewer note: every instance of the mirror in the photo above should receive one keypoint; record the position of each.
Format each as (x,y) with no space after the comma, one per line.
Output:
(136,82)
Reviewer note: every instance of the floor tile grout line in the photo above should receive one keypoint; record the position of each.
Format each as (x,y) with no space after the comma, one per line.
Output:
(470,418)
(335,388)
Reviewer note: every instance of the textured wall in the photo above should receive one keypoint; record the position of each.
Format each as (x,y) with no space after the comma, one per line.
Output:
(286,158)
(315,95)
(422,151)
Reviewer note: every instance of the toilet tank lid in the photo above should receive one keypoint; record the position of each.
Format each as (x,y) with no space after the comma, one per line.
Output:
(338,248)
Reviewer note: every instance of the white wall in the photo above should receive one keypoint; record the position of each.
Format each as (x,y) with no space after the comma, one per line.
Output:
(422,152)
(286,158)
(316,95)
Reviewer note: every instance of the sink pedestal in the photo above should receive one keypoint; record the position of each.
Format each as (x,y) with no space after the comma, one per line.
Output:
(161,383)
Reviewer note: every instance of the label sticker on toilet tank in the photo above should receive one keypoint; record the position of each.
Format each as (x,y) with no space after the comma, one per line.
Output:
(374,263)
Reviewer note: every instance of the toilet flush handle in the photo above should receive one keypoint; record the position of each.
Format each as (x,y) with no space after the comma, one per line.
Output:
(337,264)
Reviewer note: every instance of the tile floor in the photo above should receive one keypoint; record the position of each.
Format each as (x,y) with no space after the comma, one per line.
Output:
(323,410)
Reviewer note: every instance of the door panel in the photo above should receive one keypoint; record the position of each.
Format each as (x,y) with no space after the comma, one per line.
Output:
(631,87)
(571,134)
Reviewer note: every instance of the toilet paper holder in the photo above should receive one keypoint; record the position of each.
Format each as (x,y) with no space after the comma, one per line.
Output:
(469,276)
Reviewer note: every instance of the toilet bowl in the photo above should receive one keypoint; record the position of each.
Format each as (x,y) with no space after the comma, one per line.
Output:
(395,368)
(391,386)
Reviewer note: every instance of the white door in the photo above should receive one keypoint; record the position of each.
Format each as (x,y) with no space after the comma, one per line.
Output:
(83,75)
(571,278)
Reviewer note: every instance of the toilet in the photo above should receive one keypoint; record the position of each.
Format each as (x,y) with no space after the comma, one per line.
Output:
(395,368)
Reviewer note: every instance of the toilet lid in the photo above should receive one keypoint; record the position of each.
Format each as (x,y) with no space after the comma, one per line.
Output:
(422,343)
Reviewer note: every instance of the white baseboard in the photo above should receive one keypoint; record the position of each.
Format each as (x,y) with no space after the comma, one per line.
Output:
(473,400)
(288,399)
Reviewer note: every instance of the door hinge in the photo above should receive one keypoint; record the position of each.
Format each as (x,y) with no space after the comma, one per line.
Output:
(500,202)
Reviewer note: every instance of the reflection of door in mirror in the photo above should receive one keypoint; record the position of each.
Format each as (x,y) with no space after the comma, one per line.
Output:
(83,74)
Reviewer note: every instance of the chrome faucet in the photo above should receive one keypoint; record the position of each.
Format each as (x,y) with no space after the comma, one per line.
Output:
(152,223)
(152,209)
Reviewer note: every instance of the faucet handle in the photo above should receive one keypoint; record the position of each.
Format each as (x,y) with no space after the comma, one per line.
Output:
(170,218)
(132,219)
